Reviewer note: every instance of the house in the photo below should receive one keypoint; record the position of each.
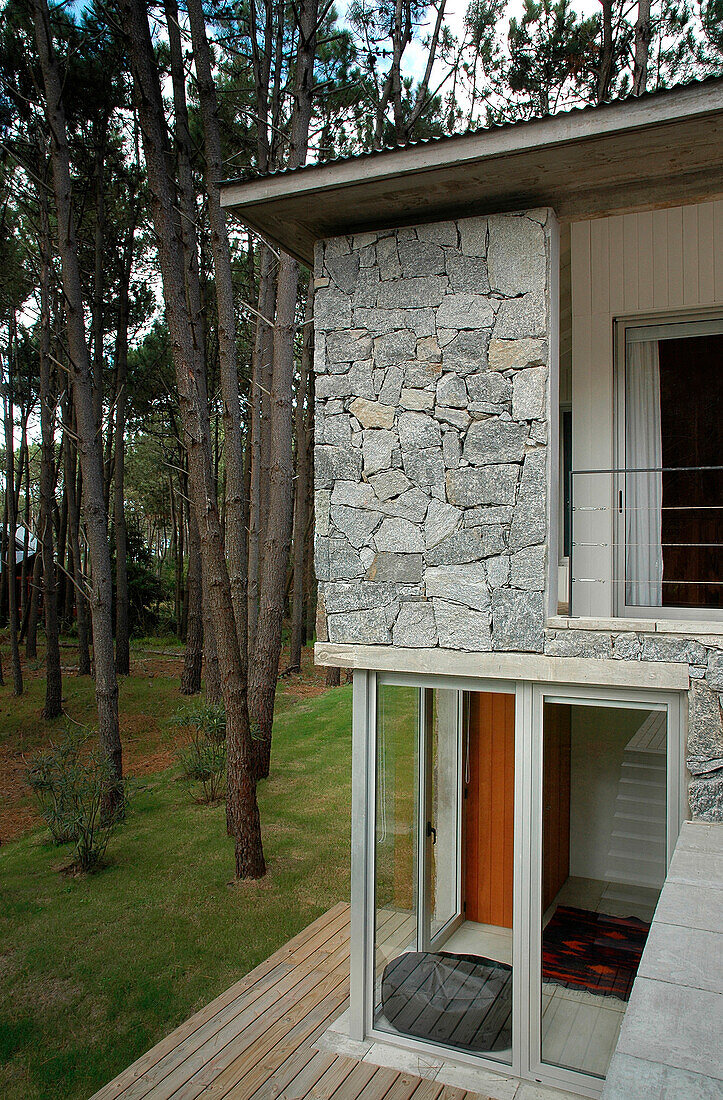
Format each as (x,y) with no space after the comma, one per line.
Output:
(519,500)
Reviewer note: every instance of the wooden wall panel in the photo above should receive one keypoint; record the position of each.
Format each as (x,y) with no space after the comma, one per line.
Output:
(489,809)
(555,801)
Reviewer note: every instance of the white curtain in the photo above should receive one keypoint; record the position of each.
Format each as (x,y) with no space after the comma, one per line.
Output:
(643,491)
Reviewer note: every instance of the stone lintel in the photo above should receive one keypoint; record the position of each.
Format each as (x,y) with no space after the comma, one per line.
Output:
(658,675)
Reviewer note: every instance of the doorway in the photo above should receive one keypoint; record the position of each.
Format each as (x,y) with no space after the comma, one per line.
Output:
(604,798)
(518,839)
(444,858)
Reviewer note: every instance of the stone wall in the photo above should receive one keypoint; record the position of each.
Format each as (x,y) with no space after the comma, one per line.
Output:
(431,459)
(431,364)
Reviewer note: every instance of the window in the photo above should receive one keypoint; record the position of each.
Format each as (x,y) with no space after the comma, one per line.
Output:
(670,487)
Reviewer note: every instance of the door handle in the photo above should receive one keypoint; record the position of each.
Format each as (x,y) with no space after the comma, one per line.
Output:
(431,831)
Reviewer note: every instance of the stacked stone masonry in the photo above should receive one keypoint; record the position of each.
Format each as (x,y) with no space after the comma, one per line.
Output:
(431,434)
(431,458)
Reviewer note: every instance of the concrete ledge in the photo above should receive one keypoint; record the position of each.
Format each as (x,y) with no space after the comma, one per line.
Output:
(669,1045)
(700,630)
(658,675)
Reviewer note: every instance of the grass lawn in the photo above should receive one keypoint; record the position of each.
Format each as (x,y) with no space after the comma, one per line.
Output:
(95,970)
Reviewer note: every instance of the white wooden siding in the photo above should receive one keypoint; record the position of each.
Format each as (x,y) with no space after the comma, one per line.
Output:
(654,262)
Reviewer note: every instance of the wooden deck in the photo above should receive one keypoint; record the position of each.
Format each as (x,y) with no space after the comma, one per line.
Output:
(257,1040)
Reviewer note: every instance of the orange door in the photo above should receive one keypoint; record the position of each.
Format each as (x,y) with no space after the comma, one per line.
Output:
(489,809)
(555,800)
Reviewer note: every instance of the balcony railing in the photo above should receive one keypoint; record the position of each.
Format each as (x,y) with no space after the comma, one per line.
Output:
(645,538)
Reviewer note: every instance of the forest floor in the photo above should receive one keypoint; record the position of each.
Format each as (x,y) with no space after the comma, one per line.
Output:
(95,969)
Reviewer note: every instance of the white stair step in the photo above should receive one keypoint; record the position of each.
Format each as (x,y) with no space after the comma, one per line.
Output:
(652,825)
(643,772)
(647,842)
(636,797)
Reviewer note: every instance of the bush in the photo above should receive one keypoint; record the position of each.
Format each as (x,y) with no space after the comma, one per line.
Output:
(44,775)
(203,756)
(69,784)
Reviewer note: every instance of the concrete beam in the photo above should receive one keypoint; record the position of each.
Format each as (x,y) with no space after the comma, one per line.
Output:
(660,675)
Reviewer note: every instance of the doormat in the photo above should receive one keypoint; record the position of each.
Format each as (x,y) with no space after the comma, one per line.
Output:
(462,1001)
(592,951)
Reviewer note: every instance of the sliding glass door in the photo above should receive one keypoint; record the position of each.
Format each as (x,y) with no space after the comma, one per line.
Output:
(669,491)
(417,895)
(444,864)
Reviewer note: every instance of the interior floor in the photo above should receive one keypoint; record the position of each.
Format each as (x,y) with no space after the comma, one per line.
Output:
(579,1029)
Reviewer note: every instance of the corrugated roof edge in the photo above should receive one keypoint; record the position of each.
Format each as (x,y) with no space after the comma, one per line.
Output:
(475,131)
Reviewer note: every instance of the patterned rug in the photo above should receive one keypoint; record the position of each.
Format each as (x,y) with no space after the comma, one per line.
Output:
(592,951)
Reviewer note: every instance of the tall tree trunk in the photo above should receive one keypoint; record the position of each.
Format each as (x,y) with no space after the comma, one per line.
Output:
(24,585)
(13,623)
(3,577)
(605,72)
(235,539)
(99,140)
(31,634)
(259,396)
(310,576)
(193,658)
(62,542)
(302,488)
(75,560)
(643,35)
(265,665)
(53,677)
(242,815)
(122,629)
(89,444)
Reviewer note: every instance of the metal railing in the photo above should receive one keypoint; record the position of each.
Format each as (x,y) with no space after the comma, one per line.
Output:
(658,529)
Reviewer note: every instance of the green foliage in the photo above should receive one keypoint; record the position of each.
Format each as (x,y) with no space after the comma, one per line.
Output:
(70,785)
(203,755)
(552,49)
(147,590)
(46,776)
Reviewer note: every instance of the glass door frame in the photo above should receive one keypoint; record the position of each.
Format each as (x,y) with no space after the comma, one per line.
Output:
(530,696)
(709,317)
(426,838)
(676,812)
(362,963)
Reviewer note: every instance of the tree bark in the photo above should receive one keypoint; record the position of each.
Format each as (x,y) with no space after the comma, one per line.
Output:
(605,73)
(31,635)
(298,624)
(193,658)
(75,560)
(261,372)
(53,677)
(265,665)
(235,540)
(122,629)
(89,444)
(242,816)
(643,35)
(11,575)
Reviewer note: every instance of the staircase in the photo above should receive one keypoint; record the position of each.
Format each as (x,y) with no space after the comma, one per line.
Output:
(637,848)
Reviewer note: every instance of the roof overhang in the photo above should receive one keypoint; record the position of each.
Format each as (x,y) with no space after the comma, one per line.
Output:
(659,150)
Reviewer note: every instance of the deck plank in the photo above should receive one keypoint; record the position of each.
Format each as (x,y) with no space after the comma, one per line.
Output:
(256,1041)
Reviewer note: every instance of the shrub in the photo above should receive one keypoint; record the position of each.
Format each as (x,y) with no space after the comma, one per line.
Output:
(203,756)
(70,784)
(45,775)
